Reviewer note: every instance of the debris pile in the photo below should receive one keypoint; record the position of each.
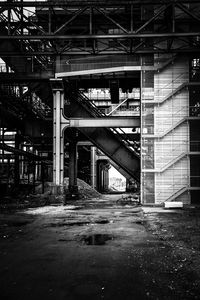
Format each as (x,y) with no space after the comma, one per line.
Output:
(132,199)
(84,189)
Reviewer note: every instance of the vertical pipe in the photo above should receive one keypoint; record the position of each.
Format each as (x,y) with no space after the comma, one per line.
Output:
(49,25)
(3,143)
(22,19)
(9,175)
(93,167)
(61,141)
(16,166)
(42,176)
(141,181)
(173,18)
(57,140)
(91,16)
(131,18)
(9,19)
(54,138)
(36,167)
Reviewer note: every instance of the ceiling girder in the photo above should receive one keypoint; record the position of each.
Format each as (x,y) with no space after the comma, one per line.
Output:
(41,35)
(78,3)
(99,36)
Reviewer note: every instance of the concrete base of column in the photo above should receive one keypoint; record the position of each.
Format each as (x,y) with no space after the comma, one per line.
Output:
(72,193)
(57,190)
(56,194)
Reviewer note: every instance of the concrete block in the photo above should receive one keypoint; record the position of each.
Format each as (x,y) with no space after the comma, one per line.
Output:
(174,204)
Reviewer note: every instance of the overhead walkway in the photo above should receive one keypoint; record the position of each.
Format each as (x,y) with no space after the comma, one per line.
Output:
(108,140)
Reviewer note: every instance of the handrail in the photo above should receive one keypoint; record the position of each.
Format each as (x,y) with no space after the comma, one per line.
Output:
(172,162)
(126,142)
(167,131)
(165,63)
(89,104)
(162,91)
(182,120)
(171,82)
(159,131)
(177,193)
(117,107)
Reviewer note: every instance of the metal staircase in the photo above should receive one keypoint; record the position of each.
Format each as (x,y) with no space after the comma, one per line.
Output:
(109,141)
(22,105)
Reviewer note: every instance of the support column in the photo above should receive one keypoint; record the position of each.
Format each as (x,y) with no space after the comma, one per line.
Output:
(58,135)
(16,167)
(73,187)
(93,168)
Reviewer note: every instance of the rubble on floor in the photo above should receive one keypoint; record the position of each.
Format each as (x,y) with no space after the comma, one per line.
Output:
(43,195)
(131,199)
(84,189)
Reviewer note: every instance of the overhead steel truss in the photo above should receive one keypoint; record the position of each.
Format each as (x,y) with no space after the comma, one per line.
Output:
(53,28)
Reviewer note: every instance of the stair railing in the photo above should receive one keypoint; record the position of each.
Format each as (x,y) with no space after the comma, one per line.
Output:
(88,104)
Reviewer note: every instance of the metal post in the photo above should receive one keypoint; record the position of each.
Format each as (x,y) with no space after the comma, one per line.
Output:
(16,167)
(141,133)
(73,188)
(91,16)
(49,22)
(57,140)
(93,167)
(42,177)
(22,18)
(131,18)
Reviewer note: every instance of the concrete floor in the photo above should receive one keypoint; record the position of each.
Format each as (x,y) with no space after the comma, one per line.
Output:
(94,249)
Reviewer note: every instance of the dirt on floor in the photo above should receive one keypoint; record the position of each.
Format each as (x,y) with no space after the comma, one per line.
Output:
(107,248)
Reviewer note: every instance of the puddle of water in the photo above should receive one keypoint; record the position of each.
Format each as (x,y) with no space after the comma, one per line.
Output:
(65,240)
(68,224)
(141,222)
(101,221)
(15,223)
(97,239)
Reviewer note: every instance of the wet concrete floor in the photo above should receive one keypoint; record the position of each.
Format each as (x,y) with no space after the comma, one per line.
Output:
(94,249)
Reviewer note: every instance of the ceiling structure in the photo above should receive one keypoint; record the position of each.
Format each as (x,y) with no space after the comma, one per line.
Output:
(39,39)
(51,28)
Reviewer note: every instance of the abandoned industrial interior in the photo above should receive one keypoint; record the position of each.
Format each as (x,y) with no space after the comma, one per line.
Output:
(99,149)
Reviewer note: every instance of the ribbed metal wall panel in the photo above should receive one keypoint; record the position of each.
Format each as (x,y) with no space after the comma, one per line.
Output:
(165,133)
(173,146)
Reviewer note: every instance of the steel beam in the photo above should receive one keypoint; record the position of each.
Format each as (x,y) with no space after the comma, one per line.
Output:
(72,52)
(110,122)
(79,3)
(32,156)
(102,71)
(24,77)
(99,36)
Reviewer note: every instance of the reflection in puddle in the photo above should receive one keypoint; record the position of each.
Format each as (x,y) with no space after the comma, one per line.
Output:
(97,239)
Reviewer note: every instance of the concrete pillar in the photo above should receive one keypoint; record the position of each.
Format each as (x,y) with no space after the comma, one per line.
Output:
(73,187)
(58,136)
